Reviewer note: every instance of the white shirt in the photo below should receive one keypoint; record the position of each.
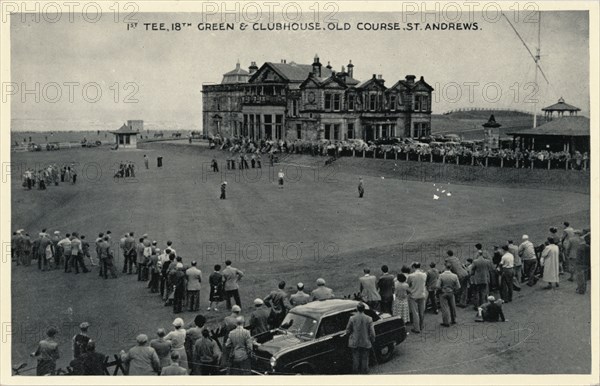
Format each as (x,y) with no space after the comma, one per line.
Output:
(280,174)
(508,260)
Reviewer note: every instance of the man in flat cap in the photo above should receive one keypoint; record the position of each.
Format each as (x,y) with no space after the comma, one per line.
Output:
(259,319)
(141,359)
(239,347)
(81,340)
(321,292)
(179,288)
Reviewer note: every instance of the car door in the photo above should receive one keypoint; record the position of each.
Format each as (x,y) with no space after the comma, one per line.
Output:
(333,342)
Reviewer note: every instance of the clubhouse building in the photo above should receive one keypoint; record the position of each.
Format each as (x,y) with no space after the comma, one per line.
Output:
(312,102)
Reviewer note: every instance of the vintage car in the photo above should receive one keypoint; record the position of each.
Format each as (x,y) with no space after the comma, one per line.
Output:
(312,340)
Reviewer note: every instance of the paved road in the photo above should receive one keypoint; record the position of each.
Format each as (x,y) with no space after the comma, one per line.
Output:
(547,332)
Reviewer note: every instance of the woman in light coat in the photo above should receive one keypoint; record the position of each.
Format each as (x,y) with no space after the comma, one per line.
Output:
(550,262)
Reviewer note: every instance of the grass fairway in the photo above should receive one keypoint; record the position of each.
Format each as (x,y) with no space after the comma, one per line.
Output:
(316,226)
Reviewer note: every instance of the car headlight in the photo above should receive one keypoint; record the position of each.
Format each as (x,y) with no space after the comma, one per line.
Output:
(273,362)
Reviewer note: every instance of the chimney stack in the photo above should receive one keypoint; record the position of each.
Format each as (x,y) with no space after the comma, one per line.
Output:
(351,69)
(253,68)
(329,66)
(316,66)
(410,79)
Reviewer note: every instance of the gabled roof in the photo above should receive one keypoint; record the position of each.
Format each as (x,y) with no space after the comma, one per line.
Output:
(373,80)
(333,79)
(561,106)
(421,82)
(291,72)
(572,126)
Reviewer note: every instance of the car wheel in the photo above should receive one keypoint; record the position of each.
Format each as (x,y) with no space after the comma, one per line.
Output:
(385,353)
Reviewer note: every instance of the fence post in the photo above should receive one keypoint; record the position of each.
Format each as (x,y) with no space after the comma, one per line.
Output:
(585,164)
(548,163)
(363,153)
(486,161)
(444,159)
(419,157)
(472,160)
(353,153)
(385,155)
(516,163)
(396,155)
(566,164)
(531,164)
(375,153)
(501,162)
(457,159)
(407,156)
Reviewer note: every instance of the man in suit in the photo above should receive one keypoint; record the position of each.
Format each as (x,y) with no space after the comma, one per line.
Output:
(279,304)
(529,260)
(231,276)
(458,268)
(448,284)
(239,348)
(417,296)
(385,285)
(362,335)
(130,255)
(299,297)
(480,278)
(179,280)
(194,278)
(321,292)
(368,289)
(174,368)
(259,319)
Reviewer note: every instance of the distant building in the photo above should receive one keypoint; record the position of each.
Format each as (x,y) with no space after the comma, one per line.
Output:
(568,133)
(126,136)
(136,125)
(311,101)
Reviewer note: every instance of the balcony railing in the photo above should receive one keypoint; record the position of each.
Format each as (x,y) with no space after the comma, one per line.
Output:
(264,100)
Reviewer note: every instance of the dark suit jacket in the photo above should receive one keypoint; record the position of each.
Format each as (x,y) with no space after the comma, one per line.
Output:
(480,271)
(386,286)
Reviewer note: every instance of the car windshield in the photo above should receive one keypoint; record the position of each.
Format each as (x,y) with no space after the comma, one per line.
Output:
(300,325)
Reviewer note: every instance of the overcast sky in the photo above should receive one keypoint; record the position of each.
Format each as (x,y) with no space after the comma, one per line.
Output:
(169,68)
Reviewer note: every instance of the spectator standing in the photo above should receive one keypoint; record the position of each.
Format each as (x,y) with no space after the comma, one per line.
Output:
(141,359)
(528,258)
(194,280)
(582,264)
(321,292)
(206,355)
(400,306)
(417,297)
(216,282)
(507,263)
(368,290)
(432,277)
(239,347)
(386,288)
(362,335)
(300,297)
(448,284)
(47,353)
(162,348)
(550,262)
(231,276)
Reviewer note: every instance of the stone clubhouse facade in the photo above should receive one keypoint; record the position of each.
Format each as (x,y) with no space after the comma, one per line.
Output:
(312,102)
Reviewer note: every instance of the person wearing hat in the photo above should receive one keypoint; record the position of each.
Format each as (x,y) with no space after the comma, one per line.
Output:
(177,339)
(179,284)
(47,353)
(507,264)
(141,359)
(162,347)
(528,258)
(18,245)
(174,368)
(321,292)
(129,252)
(448,285)
(361,338)
(490,311)
(368,289)
(80,340)
(550,261)
(259,319)
(45,253)
(570,241)
(93,362)
(194,280)
(300,297)
(239,349)
(26,251)
(223,190)
(480,278)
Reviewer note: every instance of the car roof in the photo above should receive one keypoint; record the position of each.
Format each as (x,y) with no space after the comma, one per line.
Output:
(318,308)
